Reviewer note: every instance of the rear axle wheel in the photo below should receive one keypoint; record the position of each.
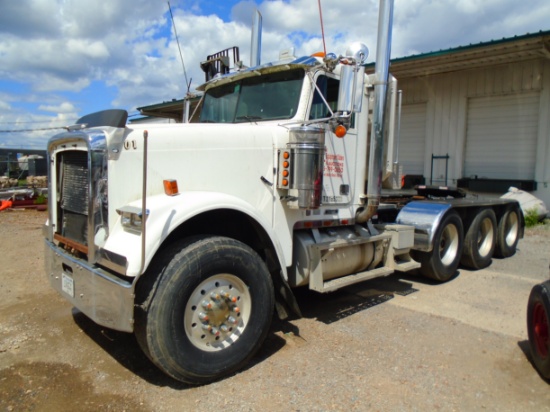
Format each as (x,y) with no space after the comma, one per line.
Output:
(479,242)
(442,261)
(508,233)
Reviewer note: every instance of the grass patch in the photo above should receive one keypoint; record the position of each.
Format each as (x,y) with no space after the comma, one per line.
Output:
(532,219)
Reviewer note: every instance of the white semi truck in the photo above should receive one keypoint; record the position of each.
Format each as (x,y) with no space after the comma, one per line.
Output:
(191,234)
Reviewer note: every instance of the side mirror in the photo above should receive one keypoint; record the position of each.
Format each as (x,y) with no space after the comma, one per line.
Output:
(352,79)
(350,93)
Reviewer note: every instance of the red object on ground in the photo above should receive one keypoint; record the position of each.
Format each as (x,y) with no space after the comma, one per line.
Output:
(4,204)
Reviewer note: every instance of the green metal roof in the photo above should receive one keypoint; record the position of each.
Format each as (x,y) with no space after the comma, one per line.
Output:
(472,46)
(494,52)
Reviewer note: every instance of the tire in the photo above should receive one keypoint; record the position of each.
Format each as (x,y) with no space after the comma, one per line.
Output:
(209,312)
(538,327)
(508,233)
(442,262)
(480,240)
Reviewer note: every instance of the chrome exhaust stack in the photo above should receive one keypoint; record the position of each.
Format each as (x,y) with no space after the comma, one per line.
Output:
(256,41)
(381,71)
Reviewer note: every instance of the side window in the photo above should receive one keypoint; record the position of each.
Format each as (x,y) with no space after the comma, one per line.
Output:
(329,89)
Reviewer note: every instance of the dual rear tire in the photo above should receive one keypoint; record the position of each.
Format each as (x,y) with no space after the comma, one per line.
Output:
(508,232)
(475,249)
(480,240)
(442,261)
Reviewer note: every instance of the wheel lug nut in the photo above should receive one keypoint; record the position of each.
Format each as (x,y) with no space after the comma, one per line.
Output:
(207,327)
(215,331)
(236,309)
(214,296)
(203,317)
(224,328)
(206,305)
(232,320)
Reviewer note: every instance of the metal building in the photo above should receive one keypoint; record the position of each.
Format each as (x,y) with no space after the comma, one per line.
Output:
(479,114)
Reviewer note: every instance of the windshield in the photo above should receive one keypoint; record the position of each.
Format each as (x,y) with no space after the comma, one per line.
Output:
(268,97)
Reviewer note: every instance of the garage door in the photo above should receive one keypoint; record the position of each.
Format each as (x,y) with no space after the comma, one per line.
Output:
(501,137)
(413,139)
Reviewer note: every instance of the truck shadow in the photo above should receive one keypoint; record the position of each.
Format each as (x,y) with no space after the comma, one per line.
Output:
(334,306)
(326,308)
(524,347)
(124,349)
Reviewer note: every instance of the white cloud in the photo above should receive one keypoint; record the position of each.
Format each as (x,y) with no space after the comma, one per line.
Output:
(94,50)
(4,106)
(64,107)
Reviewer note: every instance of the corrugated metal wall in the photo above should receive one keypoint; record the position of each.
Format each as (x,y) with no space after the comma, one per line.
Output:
(447,98)
(501,136)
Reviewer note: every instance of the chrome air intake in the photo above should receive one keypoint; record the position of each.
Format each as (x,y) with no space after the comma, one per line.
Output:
(301,167)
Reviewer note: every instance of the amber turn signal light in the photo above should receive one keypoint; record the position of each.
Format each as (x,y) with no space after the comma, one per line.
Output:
(171,187)
(340,131)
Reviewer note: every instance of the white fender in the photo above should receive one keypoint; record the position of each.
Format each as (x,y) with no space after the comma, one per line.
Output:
(166,213)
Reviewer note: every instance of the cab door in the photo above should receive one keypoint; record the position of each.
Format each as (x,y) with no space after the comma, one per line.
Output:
(339,170)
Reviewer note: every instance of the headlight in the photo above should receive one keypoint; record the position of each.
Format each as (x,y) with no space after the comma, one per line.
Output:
(131,217)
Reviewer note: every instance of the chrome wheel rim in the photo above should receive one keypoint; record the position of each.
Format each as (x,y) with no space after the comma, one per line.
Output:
(217,312)
(448,244)
(485,237)
(512,228)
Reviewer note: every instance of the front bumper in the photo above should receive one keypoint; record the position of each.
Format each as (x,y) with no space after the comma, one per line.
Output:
(103,297)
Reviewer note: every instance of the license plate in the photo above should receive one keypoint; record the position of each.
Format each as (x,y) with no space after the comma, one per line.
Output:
(67,285)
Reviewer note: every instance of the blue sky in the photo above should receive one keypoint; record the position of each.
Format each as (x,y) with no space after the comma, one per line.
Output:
(62,59)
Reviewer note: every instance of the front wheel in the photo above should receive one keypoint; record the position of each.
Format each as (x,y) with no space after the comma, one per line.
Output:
(442,261)
(210,311)
(538,327)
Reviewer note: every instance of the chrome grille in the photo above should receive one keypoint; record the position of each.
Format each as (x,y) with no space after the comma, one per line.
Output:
(73,182)
(75,185)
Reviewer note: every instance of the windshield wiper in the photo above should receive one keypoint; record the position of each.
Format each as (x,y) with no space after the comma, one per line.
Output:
(249,118)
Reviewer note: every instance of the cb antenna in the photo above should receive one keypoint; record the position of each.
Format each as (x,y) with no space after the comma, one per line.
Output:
(322,27)
(186,106)
(187,83)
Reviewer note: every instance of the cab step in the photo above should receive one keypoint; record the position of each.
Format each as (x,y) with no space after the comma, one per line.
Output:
(316,282)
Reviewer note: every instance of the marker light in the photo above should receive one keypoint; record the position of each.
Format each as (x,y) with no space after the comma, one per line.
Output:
(340,131)
(284,172)
(171,187)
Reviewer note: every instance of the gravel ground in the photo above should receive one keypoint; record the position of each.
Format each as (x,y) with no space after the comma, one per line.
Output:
(397,343)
